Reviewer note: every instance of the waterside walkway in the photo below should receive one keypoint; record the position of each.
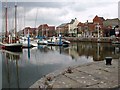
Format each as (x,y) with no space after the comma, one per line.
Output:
(93,39)
(92,75)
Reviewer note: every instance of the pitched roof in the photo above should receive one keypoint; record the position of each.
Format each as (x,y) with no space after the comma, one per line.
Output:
(80,24)
(113,19)
(43,25)
(102,18)
(99,17)
(72,21)
(62,25)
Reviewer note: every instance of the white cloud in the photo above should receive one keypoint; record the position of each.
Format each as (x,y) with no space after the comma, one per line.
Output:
(62,11)
(82,11)
(61,0)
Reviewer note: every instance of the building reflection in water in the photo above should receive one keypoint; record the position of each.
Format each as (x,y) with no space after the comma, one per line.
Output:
(98,51)
(22,70)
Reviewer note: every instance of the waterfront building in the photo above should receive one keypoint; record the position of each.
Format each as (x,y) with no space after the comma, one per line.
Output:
(99,20)
(90,29)
(111,25)
(80,29)
(45,30)
(51,31)
(68,29)
(42,29)
(24,32)
(62,29)
(85,29)
(98,29)
(111,22)
(72,27)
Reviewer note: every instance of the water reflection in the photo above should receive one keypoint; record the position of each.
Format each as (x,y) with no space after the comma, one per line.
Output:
(20,70)
(10,62)
(28,53)
(96,50)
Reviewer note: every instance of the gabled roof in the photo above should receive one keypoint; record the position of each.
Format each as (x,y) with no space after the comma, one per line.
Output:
(99,17)
(80,24)
(62,25)
(72,21)
(84,24)
(43,25)
(113,19)
(102,18)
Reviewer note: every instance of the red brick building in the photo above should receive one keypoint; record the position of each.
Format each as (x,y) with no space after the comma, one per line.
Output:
(85,29)
(62,29)
(81,29)
(99,20)
(91,28)
(45,30)
(51,31)
(32,31)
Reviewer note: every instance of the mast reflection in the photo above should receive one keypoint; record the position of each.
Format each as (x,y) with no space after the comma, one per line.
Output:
(28,53)
(11,68)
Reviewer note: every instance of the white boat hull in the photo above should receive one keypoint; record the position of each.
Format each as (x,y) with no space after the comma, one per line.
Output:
(43,42)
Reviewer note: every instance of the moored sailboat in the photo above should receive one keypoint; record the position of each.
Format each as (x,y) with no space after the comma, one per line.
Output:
(11,42)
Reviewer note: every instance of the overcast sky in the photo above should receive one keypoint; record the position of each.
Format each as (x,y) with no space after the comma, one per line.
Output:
(56,12)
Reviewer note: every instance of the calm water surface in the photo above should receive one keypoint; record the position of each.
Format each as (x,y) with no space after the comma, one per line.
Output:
(21,70)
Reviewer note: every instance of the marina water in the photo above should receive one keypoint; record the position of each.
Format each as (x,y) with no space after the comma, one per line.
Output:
(21,70)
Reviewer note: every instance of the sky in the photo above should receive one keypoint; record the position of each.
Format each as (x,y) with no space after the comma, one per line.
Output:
(56,12)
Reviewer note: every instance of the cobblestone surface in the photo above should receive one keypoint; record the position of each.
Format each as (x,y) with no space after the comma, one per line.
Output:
(92,75)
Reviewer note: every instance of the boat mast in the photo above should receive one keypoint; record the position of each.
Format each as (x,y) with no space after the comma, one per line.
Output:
(36,22)
(6,32)
(15,19)
(24,23)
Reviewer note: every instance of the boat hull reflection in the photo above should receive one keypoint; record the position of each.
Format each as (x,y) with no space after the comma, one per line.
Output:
(21,70)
